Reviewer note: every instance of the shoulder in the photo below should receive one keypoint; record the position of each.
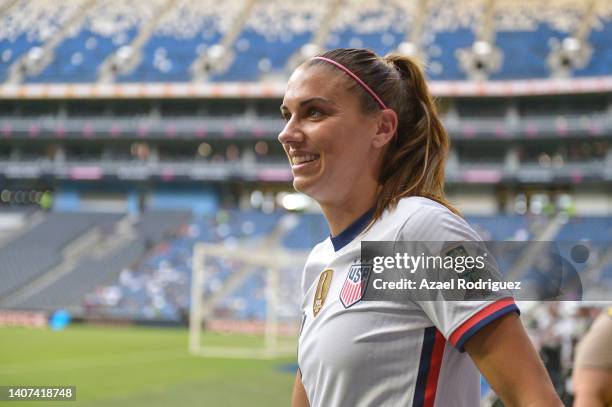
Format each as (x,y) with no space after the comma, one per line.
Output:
(427,220)
(320,251)
(315,262)
(591,350)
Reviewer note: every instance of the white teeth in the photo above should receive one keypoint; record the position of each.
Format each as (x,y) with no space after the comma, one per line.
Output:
(304,158)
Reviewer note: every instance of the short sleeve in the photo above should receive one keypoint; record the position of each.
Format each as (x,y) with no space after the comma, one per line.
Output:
(457,320)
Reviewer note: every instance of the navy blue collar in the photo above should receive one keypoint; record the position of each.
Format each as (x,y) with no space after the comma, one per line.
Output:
(355,228)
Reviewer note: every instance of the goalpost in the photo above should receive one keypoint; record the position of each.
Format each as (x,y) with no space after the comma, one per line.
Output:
(273,260)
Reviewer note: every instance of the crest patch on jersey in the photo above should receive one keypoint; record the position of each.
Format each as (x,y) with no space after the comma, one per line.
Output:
(322,291)
(355,284)
(459,251)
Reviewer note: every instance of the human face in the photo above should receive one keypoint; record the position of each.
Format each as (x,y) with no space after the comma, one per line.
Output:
(327,137)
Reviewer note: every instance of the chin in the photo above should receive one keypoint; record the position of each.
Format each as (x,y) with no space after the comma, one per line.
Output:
(320,195)
(305,187)
(300,186)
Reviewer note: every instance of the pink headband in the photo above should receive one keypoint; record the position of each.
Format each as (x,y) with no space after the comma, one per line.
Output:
(356,78)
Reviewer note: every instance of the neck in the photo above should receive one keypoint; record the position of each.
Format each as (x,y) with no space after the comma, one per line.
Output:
(341,215)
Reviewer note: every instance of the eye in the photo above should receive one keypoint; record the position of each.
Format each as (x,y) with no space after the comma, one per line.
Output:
(286,116)
(314,113)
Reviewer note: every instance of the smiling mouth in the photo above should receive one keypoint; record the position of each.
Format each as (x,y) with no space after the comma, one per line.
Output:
(304,159)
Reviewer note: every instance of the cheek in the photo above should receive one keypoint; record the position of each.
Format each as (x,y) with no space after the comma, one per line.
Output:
(346,158)
(350,145)
(344,148)
(340,140)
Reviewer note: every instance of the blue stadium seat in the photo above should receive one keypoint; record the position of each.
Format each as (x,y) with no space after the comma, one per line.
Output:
(255,55)
(78,57)
(264,48)
(525,53)
(443,63)
(167,58)
(380,42)
(11,50)
(39,249)
(601,60)
(28,24)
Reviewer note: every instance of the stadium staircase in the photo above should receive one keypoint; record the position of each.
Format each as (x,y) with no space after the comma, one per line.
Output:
(92,242)
(27,221)
(93,260)
(82,245)
(127,58)
(318,41)
(207,64)
(35,252)
(36,60)
(412,41)
(527,259)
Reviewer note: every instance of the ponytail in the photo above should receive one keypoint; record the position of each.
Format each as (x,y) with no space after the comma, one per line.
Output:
(413,164)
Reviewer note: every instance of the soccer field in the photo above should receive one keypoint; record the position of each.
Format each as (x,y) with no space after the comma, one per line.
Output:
(134,366)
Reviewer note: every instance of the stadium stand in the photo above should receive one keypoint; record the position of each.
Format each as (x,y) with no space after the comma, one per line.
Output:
(594,233)
(165,48)
(273,25)
(26,26)
(166,113)
(34,253)
(380,26)
(93,42)
(188,30)
(68,291)
(159,288)
(39,258)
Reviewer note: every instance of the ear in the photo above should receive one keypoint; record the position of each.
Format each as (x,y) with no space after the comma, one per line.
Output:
(387,127)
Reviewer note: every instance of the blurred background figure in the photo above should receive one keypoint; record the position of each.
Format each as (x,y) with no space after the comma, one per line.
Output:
(592,378)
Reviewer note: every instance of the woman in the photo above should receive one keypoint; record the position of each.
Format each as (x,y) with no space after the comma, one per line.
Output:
(364,140)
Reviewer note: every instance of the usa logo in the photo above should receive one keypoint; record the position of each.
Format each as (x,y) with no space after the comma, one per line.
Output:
(355,284)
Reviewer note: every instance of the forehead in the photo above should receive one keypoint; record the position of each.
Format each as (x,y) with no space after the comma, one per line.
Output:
(315,81)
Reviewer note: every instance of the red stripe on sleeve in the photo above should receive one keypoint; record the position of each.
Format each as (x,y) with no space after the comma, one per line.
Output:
(480,315)
(434,370)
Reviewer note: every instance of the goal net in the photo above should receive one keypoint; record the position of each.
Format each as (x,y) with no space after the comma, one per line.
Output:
(244,300)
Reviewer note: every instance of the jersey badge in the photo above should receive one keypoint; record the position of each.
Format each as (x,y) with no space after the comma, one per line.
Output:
(322,290)
(355,284)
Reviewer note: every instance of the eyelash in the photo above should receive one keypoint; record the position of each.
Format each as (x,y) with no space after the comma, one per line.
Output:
(309,112)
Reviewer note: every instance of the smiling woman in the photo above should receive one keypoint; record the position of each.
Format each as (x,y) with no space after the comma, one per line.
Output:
(321,138)
(364,140)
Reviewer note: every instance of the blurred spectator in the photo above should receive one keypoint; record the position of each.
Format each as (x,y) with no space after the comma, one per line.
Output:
(46,201)
(593,365)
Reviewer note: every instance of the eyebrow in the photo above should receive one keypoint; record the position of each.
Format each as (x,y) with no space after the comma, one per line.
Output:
(307,101)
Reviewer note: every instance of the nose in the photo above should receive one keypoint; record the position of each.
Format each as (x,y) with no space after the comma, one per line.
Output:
(290,134)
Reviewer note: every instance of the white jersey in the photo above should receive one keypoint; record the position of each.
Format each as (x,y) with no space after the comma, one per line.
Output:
(381,353)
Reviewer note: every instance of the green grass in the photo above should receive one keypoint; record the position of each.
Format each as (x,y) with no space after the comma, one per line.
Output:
(133,366)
